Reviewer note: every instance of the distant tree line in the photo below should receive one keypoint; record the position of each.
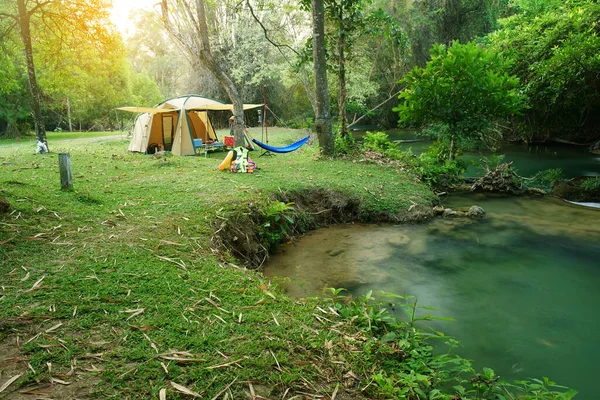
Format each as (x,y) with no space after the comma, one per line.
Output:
(85,69)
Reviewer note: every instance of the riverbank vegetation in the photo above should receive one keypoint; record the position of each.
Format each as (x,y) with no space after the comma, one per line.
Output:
(120,288)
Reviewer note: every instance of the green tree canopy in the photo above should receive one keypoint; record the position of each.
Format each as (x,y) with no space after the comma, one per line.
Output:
(555,48)
(462,92)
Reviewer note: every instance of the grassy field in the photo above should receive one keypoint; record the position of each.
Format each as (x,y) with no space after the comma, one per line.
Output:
(115,290)
(60,136)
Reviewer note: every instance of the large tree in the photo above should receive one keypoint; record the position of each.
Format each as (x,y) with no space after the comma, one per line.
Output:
(24,18)
(74,62)
(187,23)
(322,109)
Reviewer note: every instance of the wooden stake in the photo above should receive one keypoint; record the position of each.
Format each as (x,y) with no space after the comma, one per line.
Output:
(64,165)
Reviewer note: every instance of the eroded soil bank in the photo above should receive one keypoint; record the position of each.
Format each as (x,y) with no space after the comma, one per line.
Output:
(244,232)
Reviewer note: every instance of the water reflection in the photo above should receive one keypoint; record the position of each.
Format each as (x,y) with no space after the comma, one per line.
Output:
(522,284)
(527,160)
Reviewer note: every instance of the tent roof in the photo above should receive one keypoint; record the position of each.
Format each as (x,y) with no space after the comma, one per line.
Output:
(189,102)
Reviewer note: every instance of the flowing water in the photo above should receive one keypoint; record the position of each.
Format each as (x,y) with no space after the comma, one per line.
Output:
(522,284)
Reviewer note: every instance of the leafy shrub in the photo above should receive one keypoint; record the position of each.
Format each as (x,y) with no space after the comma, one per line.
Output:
(345,145)
(277,223)
(435,167)
(546,179)
(377,141)
(461,93)
(590,183)
(421,373)
(300,122)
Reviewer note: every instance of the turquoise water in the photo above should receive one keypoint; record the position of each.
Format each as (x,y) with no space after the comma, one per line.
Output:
(527,160)
(522,283)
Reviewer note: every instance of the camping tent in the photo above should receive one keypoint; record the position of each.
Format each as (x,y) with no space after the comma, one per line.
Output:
(176,124)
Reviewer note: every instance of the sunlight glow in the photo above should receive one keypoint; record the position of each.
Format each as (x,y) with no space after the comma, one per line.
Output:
(124,12)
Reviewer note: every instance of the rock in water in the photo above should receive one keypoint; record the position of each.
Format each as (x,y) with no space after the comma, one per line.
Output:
(476,212)
(450,213)
(4,205)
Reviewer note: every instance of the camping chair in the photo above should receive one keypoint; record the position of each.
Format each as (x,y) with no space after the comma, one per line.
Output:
(197,143)
(205,147)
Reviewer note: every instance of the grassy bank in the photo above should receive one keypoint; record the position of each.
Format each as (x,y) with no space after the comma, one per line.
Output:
(116,288)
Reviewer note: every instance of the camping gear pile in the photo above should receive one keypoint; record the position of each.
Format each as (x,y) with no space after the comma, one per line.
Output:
(237,160)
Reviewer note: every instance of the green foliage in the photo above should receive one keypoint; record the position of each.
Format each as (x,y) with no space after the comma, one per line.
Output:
(437,169)
(278,223)
(377,141)
(300,122)
(433,166)
(590,183)
(546,179)
(554,46)
(493,161)
(421,373)
(464,89)
(80,62)
(345,145)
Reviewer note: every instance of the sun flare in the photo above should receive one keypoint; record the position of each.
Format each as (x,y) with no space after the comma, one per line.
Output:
(123,12)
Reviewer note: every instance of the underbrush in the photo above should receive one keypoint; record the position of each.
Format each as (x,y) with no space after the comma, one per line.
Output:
(413,369)
(432,167)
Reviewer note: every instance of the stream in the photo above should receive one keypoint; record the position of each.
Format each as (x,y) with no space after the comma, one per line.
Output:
(521,284)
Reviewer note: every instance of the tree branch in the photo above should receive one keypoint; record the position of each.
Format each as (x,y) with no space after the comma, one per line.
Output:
(375,108)
(37,6)
(266,32)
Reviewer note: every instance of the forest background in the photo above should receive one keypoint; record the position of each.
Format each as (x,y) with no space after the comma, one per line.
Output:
(85,68)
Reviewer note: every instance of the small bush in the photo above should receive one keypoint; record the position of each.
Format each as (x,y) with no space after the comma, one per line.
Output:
(346,145)
(546,179)
(590,184)
(277,223)
(435,168)
(300,122)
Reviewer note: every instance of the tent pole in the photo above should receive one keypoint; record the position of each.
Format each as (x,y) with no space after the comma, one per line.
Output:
(262,136)
(264,123)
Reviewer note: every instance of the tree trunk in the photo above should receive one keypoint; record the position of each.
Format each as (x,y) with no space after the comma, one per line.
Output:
(342,76)
(69,115)
(34,90)
(452,148)
(208,60)
(322,112)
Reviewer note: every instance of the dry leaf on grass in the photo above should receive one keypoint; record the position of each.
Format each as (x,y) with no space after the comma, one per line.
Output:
(55,327)
(36,285)
(162,395)
(224,365)
(9,382)
(55,380)
(185,390)
(134,313)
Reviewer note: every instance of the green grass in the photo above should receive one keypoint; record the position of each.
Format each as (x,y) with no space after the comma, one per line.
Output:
(119,278)
(54,136)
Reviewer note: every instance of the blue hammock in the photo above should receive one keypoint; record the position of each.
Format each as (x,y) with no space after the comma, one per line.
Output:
(286,149)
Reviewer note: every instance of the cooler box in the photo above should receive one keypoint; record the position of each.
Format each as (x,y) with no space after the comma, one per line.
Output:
(228,141)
